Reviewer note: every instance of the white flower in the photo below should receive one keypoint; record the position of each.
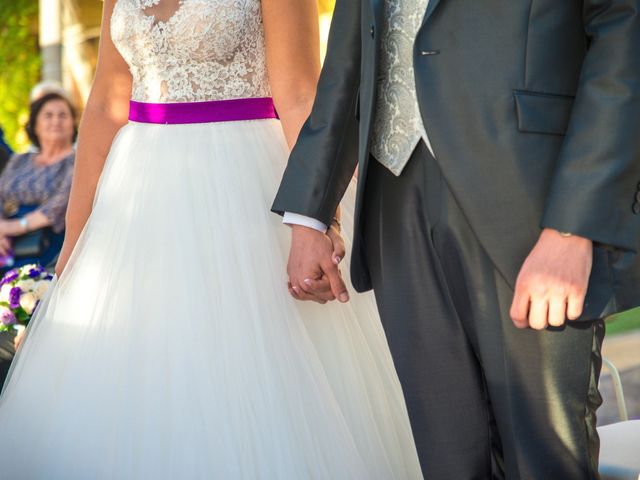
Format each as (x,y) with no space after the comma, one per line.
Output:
(26,285)
(24,270)
(4,292)
(28,302)
(41,288)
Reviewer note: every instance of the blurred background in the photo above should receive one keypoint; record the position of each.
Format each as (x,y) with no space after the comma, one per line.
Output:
(57,41)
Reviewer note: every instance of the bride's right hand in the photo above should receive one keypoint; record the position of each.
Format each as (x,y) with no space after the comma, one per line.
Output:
(63,258)
(17,341)
(60,265)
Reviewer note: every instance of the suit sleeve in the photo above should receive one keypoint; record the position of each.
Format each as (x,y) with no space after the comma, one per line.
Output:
(326,153)
(595,189)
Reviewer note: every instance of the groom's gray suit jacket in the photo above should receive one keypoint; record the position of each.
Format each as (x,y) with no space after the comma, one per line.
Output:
(532,108)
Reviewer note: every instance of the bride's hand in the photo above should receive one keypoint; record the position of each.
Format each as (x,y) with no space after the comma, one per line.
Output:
(63,258)
(61,265)
(17,341)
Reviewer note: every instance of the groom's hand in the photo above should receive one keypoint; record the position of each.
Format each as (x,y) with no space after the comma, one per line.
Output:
(313,267)
(552,283)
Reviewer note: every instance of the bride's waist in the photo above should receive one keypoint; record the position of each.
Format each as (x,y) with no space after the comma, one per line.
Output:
(213,111)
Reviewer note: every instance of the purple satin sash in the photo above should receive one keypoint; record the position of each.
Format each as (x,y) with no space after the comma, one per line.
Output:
(203,112)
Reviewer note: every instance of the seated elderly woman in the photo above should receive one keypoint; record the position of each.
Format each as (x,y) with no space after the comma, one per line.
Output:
(34,192)
(34,186)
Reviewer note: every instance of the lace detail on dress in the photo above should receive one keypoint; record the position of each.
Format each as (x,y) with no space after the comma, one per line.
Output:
(397,126)
(147,3)
(207,50)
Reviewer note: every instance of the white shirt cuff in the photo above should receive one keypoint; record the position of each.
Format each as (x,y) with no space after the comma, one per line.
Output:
(297,219)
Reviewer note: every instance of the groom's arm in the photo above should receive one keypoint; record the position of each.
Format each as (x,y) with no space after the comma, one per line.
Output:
(325,155)
(595,189)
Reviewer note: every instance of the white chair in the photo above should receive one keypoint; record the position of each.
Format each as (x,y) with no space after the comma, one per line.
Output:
(619,442)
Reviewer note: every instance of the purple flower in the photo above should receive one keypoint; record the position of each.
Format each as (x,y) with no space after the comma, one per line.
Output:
(35,272)
(7,317)
(14,297)
(10,276)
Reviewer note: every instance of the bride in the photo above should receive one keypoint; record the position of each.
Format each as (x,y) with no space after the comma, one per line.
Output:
(168,348)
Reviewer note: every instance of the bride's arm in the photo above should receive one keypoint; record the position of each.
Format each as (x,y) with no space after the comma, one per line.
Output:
(293,59)
(106,111)
(293,63)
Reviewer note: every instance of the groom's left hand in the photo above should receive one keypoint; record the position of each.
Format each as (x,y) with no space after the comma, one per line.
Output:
(552,283)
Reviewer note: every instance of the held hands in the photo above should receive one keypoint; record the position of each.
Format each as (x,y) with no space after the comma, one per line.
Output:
(552,283)
(313,265)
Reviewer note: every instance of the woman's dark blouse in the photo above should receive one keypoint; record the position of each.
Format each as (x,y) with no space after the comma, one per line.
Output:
(24,183)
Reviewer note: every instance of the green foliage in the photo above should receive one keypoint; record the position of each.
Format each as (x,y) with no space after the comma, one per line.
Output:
(326,6)
(624,322)
(19,66)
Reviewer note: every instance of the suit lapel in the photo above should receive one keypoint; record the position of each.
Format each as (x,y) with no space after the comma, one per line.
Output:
(430,8)
(377,7)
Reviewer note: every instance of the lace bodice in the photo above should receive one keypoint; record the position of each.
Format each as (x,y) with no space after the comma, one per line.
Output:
(206,50)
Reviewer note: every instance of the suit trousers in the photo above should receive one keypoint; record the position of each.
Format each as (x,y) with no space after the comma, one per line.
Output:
(486,400)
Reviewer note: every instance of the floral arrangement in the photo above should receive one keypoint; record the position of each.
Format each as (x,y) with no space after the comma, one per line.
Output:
(20,291)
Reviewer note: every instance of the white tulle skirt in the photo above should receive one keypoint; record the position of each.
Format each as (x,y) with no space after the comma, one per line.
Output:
(171,349)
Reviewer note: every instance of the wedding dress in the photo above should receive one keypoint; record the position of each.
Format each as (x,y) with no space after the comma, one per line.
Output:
(170,347)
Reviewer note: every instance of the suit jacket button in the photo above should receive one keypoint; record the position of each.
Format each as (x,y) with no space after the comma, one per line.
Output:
(636,208)
(372,31)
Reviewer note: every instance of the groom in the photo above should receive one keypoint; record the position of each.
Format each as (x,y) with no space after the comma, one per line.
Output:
(498,145)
